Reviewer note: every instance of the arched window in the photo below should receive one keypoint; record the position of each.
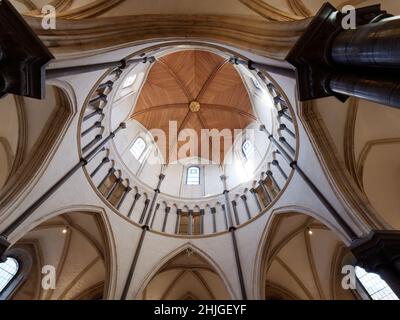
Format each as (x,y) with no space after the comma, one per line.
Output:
(130,80)
(247,149)
(256,83)
(193,176)
(8,270)
(138,148)
(377,288)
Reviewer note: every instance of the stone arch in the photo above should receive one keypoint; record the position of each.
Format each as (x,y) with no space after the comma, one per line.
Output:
(175,255)
(294,234)
(91,225)
(40,138)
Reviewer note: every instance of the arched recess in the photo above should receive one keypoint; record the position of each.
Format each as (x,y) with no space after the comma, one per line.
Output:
(186,274)
(302,259)
(30,131)
(380,172)
(77,246)
(358,143)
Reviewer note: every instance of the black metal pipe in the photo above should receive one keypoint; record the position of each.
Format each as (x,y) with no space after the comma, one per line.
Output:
(133,265)
(32,208)
(238,264)
(325,202)
(287,72)
(69,71)
(314,189)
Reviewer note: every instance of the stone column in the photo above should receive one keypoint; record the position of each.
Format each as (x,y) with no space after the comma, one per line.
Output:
(167,210)
(201,221)
(361,62)
(137,197)
(379,253)
(153,201)
(213,211)
(121,201)
(246,205)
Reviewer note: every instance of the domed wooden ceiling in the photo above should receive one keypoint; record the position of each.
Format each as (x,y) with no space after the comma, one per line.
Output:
(197,89)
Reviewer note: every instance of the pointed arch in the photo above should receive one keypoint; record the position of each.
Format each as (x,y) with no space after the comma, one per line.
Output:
(164,265)
(85,222)
(286,228)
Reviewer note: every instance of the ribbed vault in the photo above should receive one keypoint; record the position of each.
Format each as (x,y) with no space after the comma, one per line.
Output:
(303,261)
(198,90)
(187,276)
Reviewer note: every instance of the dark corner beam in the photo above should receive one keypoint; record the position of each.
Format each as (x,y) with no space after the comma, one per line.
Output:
(35,205)
(68,71)
(286,72)
(23,56)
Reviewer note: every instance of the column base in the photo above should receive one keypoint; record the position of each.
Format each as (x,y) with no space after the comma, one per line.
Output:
(379,253)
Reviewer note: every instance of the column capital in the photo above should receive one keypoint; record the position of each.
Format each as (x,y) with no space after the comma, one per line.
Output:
(312,54)
(137,196)
(380,247)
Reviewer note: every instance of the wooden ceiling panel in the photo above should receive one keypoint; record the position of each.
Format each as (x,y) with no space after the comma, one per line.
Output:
(178,79)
